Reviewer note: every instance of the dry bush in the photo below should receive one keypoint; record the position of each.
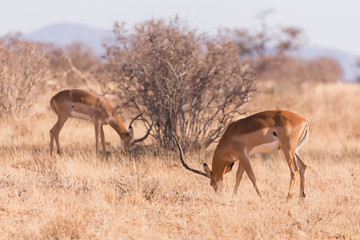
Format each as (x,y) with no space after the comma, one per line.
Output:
(290,74)
(83,58)
(194,84)
(82,55)
(264,46)
(69,66)
(23,64)
(264,43)
(57,63)
(267,51)
(324,70)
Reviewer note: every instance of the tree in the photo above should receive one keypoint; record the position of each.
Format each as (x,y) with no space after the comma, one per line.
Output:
(23,64)
(265,46)
(194,84)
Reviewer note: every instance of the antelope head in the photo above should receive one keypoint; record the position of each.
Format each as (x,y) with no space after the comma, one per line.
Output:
(215,182)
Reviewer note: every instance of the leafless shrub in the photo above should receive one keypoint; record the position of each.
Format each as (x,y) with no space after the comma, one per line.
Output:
(22,65)
(268,50)
(265,47)
(265,40)
(83,58)
(76,56)
(292,73)
(194,84)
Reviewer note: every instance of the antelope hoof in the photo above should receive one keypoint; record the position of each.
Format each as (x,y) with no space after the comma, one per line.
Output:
(289,196)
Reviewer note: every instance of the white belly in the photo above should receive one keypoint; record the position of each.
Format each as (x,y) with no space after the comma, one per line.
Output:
(265,148)
(80,115)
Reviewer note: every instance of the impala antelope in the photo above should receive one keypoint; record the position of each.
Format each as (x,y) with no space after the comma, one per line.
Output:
(262,132)
(89,106)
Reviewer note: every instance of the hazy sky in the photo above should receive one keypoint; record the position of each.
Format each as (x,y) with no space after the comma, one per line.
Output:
(326,23)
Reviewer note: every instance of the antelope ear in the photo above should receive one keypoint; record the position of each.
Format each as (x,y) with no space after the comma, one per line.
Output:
(207,170)
(131,132)
(229,167)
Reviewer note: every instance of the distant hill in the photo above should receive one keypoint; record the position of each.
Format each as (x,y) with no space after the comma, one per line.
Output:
(64,34)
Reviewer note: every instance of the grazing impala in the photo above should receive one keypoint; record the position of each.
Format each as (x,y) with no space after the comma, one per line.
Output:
(89,106)
(262,132)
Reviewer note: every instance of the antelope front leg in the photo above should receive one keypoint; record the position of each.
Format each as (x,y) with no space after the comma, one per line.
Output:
(97,135)
(247,166)
(244,162)
(239,175)
(103,139)
(52,138)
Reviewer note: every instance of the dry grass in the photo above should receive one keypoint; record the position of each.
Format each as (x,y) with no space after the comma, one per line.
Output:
(147,196)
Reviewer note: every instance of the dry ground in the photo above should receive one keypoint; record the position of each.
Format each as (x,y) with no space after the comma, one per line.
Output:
(151,196)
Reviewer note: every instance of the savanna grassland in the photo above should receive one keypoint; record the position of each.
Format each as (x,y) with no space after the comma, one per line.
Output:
(149,195)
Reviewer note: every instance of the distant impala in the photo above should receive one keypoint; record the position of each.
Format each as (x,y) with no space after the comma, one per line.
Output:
(89,106)
(262,132)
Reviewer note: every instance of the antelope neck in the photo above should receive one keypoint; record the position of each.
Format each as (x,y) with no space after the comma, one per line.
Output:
(119,127)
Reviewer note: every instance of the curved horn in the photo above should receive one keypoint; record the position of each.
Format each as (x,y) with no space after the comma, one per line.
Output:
(134,120)
(183,161)
(148,132)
